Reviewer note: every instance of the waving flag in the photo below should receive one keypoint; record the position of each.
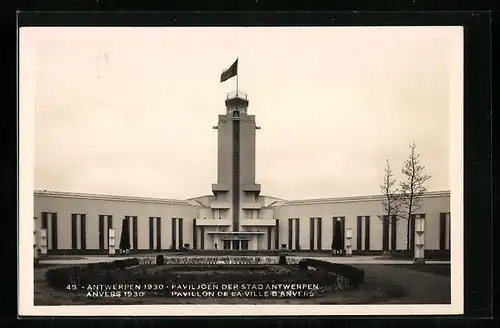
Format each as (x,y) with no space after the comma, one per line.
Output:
(230,72)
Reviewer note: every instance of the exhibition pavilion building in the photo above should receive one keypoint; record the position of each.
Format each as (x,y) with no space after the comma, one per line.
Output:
(235,216)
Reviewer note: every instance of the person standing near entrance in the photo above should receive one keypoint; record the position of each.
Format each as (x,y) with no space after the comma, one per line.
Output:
(215,246)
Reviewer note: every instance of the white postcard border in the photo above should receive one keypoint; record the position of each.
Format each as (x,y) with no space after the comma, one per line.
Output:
(26,307)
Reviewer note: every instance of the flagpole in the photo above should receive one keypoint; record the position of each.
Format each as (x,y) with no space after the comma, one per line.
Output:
(237,75)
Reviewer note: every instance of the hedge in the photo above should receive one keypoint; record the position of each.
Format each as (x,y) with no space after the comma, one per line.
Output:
(104,272)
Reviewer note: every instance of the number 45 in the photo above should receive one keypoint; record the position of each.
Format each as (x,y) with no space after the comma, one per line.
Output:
(71,287)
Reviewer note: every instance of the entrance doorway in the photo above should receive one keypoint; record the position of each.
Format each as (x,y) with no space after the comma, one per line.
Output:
(235,244)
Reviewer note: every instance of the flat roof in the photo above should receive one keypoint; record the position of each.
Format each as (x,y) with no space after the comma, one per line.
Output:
(75,195)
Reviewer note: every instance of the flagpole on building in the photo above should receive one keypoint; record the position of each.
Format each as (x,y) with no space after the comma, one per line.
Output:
(237,76)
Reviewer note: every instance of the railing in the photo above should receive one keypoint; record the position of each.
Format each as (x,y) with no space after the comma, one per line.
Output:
(236,94)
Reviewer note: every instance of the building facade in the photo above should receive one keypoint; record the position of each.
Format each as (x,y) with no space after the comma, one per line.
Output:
(236,216)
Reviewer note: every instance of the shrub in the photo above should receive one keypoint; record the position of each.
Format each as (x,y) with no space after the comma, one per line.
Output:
(160,260)
(282,260)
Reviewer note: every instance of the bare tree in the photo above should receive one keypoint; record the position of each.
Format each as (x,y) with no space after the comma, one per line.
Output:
(413,187)
(390,192)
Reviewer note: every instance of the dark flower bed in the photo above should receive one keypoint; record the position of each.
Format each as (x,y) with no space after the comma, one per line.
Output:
(327,276)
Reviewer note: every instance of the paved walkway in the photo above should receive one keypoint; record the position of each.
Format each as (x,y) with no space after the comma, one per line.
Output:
(421,287)
(343,260)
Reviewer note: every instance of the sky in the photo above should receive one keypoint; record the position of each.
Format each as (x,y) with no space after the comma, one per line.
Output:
(130,111)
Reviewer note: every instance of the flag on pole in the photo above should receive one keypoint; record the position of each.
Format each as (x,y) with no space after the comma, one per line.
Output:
(230,72)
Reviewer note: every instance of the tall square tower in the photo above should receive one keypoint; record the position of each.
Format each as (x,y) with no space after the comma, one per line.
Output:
(236,190)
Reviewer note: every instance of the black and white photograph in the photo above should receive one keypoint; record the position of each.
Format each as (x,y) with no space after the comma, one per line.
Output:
(247,170)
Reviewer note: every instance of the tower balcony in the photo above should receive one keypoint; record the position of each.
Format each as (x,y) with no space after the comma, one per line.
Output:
(220,205)
(251,187)
(258,223)
(237,99)
(213,222)
(251,206)
(236,94)
(219,187)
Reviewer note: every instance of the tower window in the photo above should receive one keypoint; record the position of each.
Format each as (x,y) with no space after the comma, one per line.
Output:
(236,113)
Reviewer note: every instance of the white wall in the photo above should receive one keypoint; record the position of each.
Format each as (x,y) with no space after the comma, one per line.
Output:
(351,209)
(326,209)
(64,207)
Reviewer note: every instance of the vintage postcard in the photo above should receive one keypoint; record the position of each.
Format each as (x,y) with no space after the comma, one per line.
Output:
(240,171)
